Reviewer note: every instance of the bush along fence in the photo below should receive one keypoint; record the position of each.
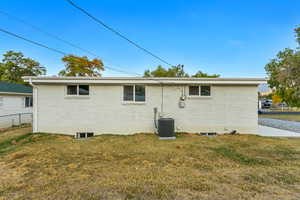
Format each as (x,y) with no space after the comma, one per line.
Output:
(17,119)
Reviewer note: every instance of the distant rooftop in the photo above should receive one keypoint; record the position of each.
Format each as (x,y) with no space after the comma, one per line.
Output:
(6,87)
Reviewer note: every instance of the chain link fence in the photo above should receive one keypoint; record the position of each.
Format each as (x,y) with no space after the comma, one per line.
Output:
(17,119)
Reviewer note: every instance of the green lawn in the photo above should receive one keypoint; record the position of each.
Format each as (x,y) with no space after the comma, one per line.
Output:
(43,166)
(291,117)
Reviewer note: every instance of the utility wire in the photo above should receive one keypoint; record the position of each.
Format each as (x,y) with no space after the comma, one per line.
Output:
(46,47)
(49,48)
(45,32)
(53,49)
(118,33)
(63,40)
(56,50)
(32,42)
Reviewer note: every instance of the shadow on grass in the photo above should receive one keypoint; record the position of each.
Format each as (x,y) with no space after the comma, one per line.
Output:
(11,144)
(232,154)
(280,153)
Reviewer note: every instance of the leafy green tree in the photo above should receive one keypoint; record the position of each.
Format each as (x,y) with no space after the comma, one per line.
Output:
(175,71)
(14,65)
(158,72)
(297,31)
(284,74)
(81,66)
(201,74)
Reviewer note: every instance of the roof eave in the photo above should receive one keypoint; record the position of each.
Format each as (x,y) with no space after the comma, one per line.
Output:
(147,81)
(16,93)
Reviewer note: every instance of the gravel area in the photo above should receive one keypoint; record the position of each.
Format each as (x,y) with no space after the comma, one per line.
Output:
(280,124)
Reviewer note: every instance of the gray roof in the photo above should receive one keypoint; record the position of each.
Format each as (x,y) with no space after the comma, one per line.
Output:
(6,87)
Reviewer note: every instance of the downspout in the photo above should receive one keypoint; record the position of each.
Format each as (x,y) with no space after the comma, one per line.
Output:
(155,120)
(35,107)
(155,110)
(162,101)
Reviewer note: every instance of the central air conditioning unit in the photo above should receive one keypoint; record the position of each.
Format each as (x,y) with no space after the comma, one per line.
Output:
(166,128)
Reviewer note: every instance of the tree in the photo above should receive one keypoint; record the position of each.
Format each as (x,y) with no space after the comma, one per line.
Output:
(201,74)
(14,65)
(175,71)
(297,31)
(284,74)
(158,72)
(276,99)
(81,66)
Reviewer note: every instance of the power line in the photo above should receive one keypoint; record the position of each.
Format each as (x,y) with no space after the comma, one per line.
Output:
(53,49)
(118,33)
(49,48)
(63,40)
(45,32)
(32,42)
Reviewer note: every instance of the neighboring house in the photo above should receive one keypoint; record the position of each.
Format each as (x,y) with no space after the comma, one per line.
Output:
(70,105)
(15,99)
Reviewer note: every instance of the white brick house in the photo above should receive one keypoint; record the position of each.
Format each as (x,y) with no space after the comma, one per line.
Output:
(125,105)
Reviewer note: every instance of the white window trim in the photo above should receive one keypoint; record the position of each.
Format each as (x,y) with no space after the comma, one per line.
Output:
(133,101)
(76,95)
(199,96)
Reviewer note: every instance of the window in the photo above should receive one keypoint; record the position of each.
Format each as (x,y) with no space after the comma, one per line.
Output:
(139,93)
(83,90)
(28,102)
(203,90)
(75,90)
(89,135)
(194,90)
(83,135)
(134,93)
(128,93)
(72,90)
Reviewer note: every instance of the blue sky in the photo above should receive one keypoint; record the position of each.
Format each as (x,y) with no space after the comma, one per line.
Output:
(232,38)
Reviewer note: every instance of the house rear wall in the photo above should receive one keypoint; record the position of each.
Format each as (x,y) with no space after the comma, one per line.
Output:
(103,112)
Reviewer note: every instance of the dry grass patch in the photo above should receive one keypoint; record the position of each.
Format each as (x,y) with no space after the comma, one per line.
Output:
(289,117)
(6,133)
(43,166)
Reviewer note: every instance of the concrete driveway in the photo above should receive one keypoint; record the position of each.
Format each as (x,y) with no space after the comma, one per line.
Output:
(280,124)
(275,132)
